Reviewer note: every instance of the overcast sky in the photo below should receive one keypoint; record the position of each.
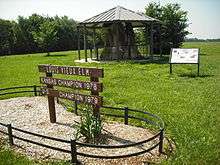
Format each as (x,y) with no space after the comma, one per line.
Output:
(203,14)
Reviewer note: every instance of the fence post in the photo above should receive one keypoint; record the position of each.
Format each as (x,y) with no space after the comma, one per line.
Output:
(58,101)
(10,136)
(76,108)
(126,116)
(73,151)
(35,90)
(161,142)
(97,54)
(91,53)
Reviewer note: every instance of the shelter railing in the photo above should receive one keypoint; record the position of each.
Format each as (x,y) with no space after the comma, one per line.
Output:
(95,53)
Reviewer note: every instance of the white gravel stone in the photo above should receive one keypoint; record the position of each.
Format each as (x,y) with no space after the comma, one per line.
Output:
(32,114)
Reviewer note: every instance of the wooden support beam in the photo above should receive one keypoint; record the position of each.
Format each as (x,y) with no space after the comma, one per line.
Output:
(85,43)
(129,45)
(78,35)
(97,53)
(151,40)
(147,40)
(94,44)
(160,41)
(117,41)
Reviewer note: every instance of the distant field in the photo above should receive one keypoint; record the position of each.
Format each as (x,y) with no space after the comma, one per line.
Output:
(188,104)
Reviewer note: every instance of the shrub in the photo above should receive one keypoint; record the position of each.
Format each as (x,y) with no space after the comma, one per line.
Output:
(90,126)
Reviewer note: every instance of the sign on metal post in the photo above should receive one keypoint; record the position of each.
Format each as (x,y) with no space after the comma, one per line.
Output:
(184,56)
(93,85)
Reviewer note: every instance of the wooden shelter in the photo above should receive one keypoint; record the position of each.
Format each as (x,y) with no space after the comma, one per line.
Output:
(119,22)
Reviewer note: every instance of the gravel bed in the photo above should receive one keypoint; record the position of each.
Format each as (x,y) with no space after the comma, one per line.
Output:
(31,114)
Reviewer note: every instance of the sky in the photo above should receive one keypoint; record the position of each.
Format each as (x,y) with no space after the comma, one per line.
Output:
(203,15)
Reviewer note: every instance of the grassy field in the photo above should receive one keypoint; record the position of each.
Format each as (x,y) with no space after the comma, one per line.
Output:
(188,104)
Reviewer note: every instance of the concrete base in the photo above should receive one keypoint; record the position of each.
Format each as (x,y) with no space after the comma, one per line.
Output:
(89,60)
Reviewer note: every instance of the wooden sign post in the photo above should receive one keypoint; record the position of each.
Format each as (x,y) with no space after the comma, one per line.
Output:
(51,102)
(93,85)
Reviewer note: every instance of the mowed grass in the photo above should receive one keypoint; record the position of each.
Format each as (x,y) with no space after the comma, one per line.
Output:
(188,104)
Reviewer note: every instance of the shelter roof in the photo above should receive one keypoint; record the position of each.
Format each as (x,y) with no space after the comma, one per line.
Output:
(118,14)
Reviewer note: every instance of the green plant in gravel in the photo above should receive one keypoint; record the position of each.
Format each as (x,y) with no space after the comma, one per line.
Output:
(90,126)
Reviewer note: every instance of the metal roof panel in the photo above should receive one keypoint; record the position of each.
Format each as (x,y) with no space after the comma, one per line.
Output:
(118,14)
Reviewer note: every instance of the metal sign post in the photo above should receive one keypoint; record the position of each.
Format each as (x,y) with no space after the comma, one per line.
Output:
(184,56)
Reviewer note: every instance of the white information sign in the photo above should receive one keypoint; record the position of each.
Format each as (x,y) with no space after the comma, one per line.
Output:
(179,55)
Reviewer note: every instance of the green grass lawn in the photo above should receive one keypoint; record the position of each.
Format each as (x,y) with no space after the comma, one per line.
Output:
(188,104)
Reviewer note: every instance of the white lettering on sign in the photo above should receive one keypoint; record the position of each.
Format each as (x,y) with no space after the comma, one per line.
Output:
(190,56)
(94,86)
(88,99)
(71,70)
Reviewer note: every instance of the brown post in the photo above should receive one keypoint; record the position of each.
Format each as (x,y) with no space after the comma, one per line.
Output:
(117,41)
(94,45)
(85,44)
(51,103)
(160,41)
(151,40)
(129,46)
(78,34)
(97,53)
(95,107)
(147,30)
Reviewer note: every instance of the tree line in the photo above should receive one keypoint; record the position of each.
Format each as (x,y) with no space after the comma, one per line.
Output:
(202,40)
(38,33)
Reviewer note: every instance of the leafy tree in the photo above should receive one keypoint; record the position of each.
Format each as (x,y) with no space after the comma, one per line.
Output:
(38,33)
(19,40)
(6,37)
(173,30)
(66,33)
(25,27)
(46,36)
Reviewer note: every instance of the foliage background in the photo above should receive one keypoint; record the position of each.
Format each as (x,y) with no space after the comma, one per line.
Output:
(172,30)
(25,35)
(38,33)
